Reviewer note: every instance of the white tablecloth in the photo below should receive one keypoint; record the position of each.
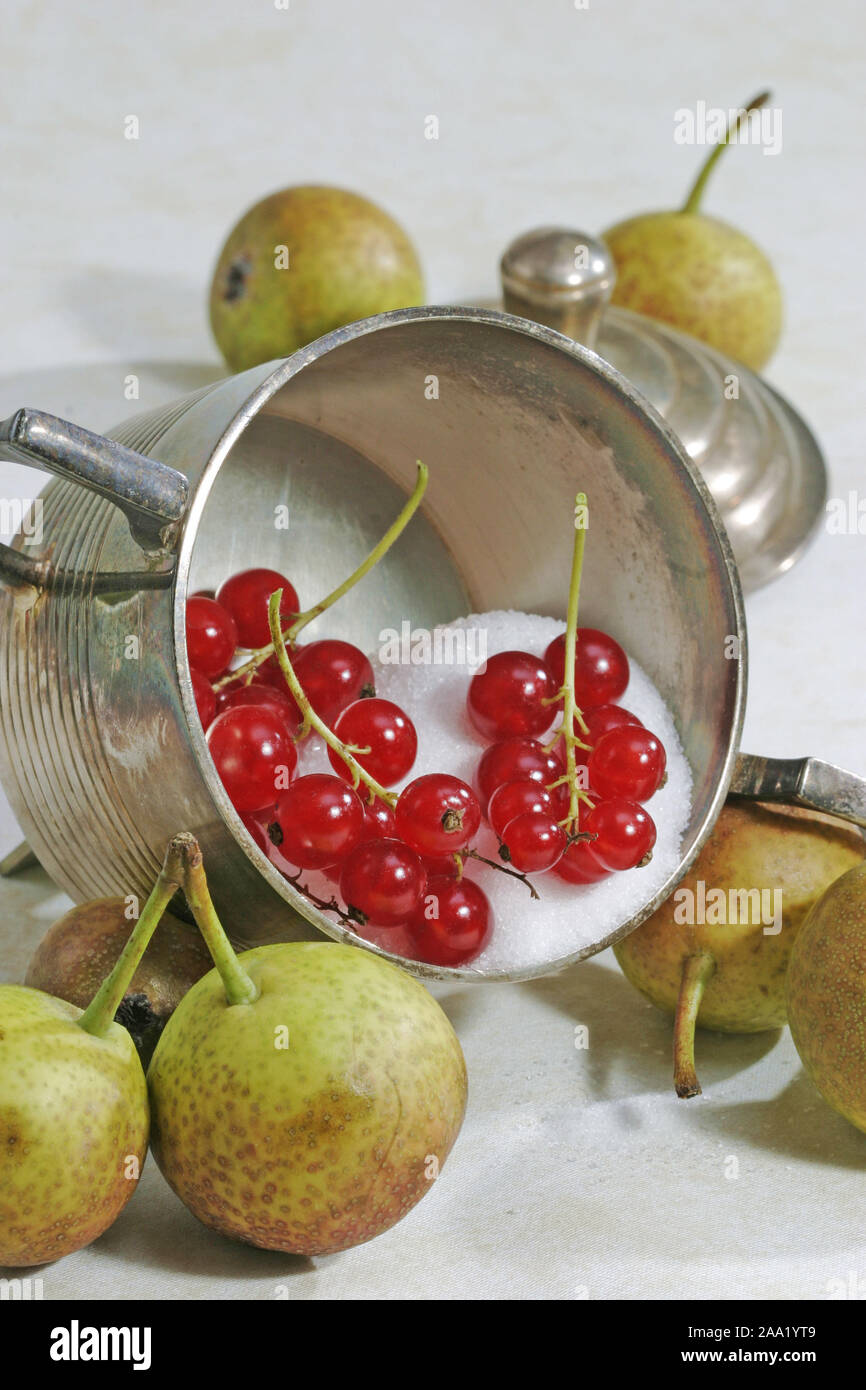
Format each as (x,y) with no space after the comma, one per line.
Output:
(578,1174)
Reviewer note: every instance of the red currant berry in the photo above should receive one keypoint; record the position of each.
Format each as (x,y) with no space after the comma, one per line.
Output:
(382,882)
(388,733)
(320,820)
(246,596)
(257,828)
(512,799)
(257,693)
(606,717)
(270,672)
(380,823)
(579,865)
(204,696)
(624,832)
(333,675)
(453,922)
(251,747)
(628,761)
(440,865)
(508,697)
(600,667)
(515,760)
(211,636)
(534,842)
(437,814)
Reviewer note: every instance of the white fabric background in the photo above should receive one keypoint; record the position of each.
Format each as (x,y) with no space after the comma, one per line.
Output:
(577,1174)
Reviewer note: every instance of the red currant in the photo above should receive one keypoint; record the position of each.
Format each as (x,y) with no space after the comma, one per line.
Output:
(600,667)
(246,596)
(257,828)
(437,814)
(211,636)
(579,865)
(320,820)
(507,698)
(453,922)
(512,799)
(515,760)
(382,882)
(388,733)
(628,761)
(380,823)
(624,832)
(333,675)
(440,865)
(251,747)
(599,721)
(534,842)
(204,696)
(258,693)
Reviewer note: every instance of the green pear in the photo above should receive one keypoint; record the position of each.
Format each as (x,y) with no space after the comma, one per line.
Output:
(302,262)
(74,1114)
(79,950)
(700,274)
(827,995)
(304,1096)
(752,885)
(73,1126)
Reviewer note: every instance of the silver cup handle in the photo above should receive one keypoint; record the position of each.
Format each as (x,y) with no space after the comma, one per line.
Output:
(802,782)
(152,496)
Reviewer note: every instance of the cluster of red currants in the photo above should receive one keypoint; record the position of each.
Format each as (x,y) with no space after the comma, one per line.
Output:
(525,785)
(391,855)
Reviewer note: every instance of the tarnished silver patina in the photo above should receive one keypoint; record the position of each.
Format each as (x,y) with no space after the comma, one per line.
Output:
(101,750)
(759,458)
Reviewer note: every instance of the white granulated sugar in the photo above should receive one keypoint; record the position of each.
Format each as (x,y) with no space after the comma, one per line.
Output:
(568,917)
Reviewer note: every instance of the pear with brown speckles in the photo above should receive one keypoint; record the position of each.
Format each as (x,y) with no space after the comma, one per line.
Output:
(827,995)
(700,274)
(74,1114)
(716,952)
(304,1096)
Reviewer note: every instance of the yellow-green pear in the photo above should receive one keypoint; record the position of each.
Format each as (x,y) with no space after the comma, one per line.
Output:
(304,1096)
(302,262)
(827,995)
(700,274)
(716,952)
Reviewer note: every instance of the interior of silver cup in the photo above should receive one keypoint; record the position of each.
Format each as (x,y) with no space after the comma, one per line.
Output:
(511,420)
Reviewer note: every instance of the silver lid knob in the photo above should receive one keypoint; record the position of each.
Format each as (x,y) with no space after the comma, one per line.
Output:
(560,278)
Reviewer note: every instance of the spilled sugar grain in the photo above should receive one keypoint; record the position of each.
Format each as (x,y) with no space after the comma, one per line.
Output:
(567,918)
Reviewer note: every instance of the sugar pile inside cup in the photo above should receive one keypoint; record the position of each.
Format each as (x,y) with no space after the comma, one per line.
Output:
(568,917)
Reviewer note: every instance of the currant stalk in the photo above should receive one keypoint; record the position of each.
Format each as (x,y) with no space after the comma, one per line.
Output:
(309,718)
(570,711)
(249,668)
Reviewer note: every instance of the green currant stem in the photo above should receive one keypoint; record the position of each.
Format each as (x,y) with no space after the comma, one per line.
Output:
(696,192)
(98,1015)
(247,671)
(570,712)
(310,720)
(697,973)
(238,986)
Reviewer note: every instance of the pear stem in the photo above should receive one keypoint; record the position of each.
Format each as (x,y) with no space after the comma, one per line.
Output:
(238,986)
(698,970)
(696,192)
(310,720)
(570,711)
(99,1014)
(396,529)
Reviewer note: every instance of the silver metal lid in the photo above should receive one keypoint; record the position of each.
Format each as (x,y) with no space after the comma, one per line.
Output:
(759,458)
